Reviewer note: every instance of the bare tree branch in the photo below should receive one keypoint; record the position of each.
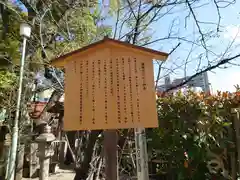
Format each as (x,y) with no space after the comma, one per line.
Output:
(197,24)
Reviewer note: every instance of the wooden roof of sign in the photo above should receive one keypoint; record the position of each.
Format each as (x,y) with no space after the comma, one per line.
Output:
(109,85)
(62,60)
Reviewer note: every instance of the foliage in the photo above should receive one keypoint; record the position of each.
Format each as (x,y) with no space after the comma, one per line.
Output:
(7,85)
(57,28)
(195,123)
(10,39)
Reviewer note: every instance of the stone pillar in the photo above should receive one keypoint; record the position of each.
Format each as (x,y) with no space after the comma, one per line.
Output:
(20,161)
(7,144)
(45,151)
(33,160)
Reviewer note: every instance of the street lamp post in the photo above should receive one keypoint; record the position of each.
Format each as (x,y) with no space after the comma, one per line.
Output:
(25,32)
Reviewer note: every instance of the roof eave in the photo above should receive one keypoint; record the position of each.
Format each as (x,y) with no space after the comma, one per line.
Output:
(62,60)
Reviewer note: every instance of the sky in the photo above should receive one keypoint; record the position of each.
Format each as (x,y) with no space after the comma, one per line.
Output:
(222,79)
(225,79)
(18,3)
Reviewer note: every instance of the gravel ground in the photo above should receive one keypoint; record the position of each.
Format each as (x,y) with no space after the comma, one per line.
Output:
(61,174)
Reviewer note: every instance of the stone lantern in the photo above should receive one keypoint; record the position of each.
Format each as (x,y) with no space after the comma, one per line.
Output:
(7,144)
(45,151)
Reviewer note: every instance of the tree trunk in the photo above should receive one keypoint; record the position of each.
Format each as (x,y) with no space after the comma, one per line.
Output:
(82,171)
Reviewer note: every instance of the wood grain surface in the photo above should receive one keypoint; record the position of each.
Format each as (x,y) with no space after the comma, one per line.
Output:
(109,88)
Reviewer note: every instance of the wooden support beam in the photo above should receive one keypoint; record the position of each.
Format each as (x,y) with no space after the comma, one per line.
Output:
(236,125)
(110,153)
(232,154)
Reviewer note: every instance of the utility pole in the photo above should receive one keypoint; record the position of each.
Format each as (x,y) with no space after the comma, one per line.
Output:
(141,154)
(25,32)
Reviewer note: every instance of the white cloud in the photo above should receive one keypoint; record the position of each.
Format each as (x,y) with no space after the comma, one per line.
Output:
(224,80)
(232,32)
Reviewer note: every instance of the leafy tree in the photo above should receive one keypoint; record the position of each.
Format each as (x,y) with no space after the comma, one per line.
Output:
(7,85)
(57,28)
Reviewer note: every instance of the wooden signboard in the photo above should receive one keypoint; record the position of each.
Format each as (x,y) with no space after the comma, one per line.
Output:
(109,85)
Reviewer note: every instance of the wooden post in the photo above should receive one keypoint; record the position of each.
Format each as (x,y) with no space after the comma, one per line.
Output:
(233,165)
(110,153)
(236,126)
(141,154)
(63,152)
(232,154)
(2,160)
